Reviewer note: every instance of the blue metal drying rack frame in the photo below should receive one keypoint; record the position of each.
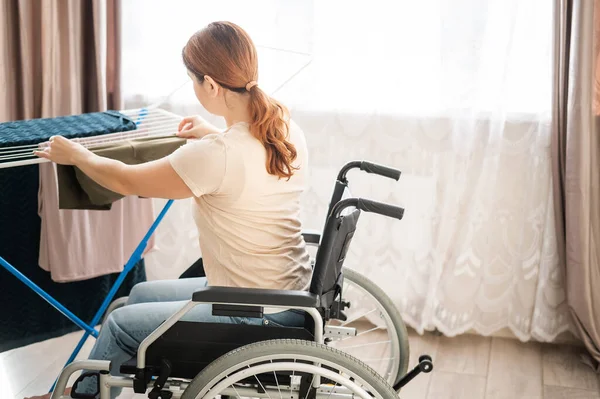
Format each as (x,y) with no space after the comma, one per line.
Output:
(136,256)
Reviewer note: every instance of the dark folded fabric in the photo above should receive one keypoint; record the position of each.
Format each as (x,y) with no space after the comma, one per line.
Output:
(27,318)
(77,191)
(35,131)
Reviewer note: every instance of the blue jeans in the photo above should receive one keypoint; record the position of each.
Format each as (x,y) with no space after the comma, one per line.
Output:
(150,304)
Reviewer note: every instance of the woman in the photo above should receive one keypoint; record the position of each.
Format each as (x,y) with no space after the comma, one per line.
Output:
(246,183)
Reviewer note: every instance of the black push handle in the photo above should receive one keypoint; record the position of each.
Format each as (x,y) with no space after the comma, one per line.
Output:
(369,167)
(381,170)
(369,206)
(380,208)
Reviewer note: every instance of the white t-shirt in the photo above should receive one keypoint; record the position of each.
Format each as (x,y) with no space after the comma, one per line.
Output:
(248,220)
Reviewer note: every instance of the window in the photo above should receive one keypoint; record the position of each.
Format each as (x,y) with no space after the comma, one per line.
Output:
(427,57)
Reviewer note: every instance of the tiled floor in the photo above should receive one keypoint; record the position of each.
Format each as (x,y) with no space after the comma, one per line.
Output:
(465,367)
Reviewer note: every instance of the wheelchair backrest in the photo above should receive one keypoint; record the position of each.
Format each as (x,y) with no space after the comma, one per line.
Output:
(327,279)
(340,191)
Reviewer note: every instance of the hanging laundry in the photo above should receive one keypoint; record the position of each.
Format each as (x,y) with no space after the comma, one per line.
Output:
(35,131)
(78,244)
(77,191)
(29,319)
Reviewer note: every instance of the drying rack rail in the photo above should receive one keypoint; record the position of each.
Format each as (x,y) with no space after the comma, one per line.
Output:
(150,122)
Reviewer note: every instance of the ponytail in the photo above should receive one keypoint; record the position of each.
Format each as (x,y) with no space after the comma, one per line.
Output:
(270,125)
(225,52)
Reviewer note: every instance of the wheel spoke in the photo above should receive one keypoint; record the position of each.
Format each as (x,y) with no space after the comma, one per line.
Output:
(291,379)
(262,386)
(277,382)
(310,386)
(332,390)
(358,317)
(362,333)
(375,315)
(237,395)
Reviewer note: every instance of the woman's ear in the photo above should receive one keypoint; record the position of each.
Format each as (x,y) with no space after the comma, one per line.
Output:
(211,87)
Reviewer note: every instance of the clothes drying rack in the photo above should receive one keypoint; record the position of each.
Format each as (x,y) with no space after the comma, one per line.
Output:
(150,122)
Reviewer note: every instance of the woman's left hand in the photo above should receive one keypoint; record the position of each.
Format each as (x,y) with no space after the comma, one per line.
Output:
(62,151)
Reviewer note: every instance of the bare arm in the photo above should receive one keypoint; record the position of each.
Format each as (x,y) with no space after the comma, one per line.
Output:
(156,179)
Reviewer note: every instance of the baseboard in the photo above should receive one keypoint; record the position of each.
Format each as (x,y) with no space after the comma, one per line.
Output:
(566,337)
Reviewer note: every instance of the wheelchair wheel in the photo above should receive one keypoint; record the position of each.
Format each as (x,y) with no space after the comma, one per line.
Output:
(272,369)
(381,339)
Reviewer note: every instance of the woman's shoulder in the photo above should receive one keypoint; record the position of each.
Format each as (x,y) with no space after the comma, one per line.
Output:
(213,141)
(210,148)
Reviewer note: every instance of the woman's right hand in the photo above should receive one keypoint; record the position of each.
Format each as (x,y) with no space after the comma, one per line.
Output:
(195,127)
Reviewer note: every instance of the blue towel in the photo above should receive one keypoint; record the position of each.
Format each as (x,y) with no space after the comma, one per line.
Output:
(35,131)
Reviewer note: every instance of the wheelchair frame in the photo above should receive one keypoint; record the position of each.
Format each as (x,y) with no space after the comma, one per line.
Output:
(106,381)
(317,305)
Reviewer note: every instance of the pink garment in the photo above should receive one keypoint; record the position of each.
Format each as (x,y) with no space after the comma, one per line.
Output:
(81,244)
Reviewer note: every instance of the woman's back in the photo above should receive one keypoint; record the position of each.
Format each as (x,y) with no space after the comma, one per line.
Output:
(248,219)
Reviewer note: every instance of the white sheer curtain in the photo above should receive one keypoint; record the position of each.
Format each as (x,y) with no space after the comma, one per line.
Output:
(456,94)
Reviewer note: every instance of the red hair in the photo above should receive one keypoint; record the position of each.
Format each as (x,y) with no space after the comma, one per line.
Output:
(225,52)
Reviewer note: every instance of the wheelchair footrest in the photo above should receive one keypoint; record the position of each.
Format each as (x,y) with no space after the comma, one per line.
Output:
(425,366)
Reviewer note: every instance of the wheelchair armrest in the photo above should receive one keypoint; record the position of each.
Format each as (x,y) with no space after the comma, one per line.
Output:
(257,297)
(311,237)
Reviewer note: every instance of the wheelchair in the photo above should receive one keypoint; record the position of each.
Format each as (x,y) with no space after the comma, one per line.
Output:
(188,360)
